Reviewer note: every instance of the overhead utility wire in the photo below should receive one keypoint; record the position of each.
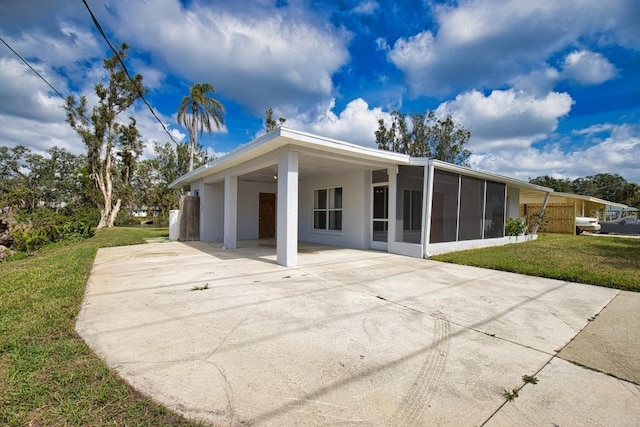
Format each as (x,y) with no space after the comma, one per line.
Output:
(34,70)
(104,36)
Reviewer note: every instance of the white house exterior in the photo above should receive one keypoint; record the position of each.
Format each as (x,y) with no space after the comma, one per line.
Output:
(291,186)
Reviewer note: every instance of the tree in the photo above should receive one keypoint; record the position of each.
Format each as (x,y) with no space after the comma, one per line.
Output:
(112,148)
(631,194)
(14,179)
(603,186)
(425,135)
(153,176)
(270,123)
(558,184)
(197,111)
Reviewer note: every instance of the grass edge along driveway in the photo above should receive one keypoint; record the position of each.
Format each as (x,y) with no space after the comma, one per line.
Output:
(612,262)
(48,375)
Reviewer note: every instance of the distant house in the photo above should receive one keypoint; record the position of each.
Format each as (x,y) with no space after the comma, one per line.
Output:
(140,213)
(291,185)
(563,208)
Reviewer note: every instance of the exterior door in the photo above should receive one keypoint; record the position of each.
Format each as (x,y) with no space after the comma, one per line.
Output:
(267,216)
(380,216)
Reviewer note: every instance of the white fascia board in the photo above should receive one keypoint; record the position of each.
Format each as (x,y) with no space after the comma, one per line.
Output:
(463,170)
(304,139)
(590,199)
(246,151)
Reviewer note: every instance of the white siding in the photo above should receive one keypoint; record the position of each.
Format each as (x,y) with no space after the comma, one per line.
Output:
(212,212)
(513,202)
(356,216)
(248,207)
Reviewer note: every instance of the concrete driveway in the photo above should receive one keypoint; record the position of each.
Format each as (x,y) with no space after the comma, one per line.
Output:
(351,338)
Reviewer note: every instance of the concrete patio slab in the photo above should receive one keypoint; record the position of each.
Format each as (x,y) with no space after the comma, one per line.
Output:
(568,395)
(605,343)
(347,338)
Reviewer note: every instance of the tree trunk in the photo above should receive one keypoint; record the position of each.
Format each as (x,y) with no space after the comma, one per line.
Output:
(114,213)
(192,136)
(104,215)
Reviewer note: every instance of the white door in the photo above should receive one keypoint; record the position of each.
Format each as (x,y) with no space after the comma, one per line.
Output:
(380,216)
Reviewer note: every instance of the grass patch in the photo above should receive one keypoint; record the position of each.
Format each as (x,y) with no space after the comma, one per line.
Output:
(612,262)
(48,375)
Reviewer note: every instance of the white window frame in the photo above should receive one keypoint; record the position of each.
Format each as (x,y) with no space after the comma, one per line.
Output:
(328,209)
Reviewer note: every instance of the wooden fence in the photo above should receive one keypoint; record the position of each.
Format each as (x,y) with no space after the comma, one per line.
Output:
(558,217)
(190,219)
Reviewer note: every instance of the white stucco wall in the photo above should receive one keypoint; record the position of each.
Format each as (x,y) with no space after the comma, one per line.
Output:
(212,209)
(513,202)
(212,212)
(441,248)
(356,217)
(249,207)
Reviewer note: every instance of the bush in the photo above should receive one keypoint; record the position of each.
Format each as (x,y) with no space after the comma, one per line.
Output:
(515,227)
(43,226)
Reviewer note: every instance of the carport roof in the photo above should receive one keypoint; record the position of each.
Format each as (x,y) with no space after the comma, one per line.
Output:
(590,199)
(282,136)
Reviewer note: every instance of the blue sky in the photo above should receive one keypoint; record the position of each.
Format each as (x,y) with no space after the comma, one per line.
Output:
(546,87)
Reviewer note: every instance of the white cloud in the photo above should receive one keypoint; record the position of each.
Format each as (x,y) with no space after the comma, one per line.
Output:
(538,82)
(595,129)
(356,123)
(381,44)
(618,153)
(63,49)
(588,67)
(258,58)
(367,7)
(507,118)
(489,42)
(23,94)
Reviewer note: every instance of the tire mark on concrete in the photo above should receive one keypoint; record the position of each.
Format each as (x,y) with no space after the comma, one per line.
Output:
(416,399)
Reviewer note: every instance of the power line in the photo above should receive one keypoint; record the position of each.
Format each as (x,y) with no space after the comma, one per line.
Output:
(33,69)
(124,68)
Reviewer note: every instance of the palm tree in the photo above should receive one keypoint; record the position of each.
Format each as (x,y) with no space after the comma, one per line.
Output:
(198,111)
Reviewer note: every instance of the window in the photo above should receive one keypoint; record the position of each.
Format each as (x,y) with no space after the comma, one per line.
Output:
(471,208)
(465,208)
(494,210)
(444,212)
(327,209)
(412,213)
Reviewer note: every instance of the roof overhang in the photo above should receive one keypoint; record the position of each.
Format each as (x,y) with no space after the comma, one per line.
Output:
(282,137)
(511,182)
(589,199)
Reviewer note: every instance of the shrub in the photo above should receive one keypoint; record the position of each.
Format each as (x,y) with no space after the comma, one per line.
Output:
(515,227)
(43,226)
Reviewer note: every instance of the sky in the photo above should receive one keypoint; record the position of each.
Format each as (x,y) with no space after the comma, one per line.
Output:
(545,87)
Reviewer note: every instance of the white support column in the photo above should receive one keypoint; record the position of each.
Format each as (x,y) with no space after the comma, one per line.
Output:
(393,203)
(287,223)
(230,211)
(428,207)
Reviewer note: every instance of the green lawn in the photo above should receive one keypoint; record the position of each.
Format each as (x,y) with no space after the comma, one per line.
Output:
(608,261)
(48,376)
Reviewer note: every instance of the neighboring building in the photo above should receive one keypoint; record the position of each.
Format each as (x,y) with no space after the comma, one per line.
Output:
(140,213)
(292,186)
(563,208)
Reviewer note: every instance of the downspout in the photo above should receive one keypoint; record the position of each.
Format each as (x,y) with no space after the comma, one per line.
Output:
(544,206)
(427,207)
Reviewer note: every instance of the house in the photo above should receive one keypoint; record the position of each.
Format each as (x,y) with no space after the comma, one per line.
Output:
(291,186)
(563,208)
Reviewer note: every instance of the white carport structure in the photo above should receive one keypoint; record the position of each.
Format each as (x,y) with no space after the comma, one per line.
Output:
(291,170)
